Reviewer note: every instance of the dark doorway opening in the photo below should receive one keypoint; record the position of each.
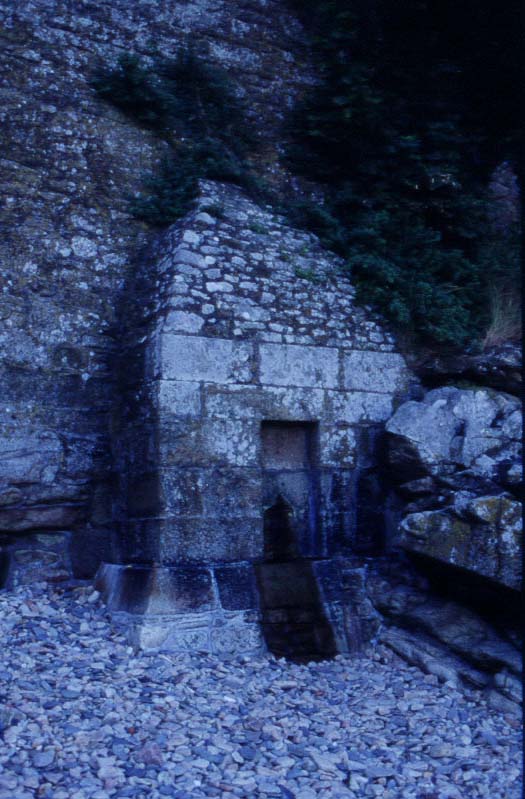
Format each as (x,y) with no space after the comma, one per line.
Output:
(294,620)
(279,539)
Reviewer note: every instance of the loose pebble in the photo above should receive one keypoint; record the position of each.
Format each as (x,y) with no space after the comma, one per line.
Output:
(85,716)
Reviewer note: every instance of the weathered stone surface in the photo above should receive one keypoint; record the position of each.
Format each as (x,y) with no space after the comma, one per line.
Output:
(17,520)
(455,455)
(156,591)
(36,556)
(454,428)
(199,539)
(30,455)
(375,371)
(462,631)
(237,588)
(483,536)
(283,365)
(204,359)
(498,367)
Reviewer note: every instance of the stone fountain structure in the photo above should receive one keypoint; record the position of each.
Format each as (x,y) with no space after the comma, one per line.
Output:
(251,390)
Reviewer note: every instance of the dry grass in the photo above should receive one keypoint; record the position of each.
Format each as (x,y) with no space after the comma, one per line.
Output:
(505,317)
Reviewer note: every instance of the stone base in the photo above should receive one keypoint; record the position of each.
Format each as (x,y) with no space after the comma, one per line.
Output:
(220,609)
(222,634)
(185,608)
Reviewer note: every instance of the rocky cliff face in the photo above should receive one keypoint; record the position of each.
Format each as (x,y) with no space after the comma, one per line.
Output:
(456,456)
(69,246)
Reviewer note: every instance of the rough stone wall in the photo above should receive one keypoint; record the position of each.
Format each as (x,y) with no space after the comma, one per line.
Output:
(68,245)
(254,323)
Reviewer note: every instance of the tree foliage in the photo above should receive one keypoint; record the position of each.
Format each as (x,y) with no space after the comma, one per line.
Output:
(193,107)
(401,138)
(413,114)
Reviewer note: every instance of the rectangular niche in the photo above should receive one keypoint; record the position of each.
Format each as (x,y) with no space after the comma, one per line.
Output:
(289,445)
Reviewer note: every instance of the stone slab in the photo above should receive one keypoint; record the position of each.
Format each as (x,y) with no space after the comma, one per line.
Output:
(296,365)
(212,360)
(365,370)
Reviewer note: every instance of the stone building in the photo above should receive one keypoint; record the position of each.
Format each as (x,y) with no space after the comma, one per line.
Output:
(251,389)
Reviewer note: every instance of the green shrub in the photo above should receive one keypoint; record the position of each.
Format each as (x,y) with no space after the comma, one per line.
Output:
(134,89)
(397,133)
(193,107)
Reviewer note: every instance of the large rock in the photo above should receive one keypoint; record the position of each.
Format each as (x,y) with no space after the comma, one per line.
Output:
(461,630)
(481,534)
(452,430)
(499,368)
(456,457)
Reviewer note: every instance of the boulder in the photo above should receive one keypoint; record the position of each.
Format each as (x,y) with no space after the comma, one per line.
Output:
(498,368)
(455,460)
(462,631)
(452,430)
(483,535)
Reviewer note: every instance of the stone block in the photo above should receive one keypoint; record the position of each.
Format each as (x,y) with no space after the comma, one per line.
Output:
(156,590)
(181,491)
(230,492)
(211,360)
(231,441)
(180,443)
(233,401)
(236,586)
(263,403)
(295,365)
(293,404)
(206,540)
(384,372)
(182,322)
(182,255)
(178,398)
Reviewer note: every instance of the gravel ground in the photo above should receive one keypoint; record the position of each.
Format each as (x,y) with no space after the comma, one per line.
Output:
(84,716)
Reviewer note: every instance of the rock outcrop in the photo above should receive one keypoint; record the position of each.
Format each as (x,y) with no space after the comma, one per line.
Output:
(455,459)
(498,368)
(69,245)
(450,601)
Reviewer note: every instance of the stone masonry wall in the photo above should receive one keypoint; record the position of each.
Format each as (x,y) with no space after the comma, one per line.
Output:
(253,322)
(69,246)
